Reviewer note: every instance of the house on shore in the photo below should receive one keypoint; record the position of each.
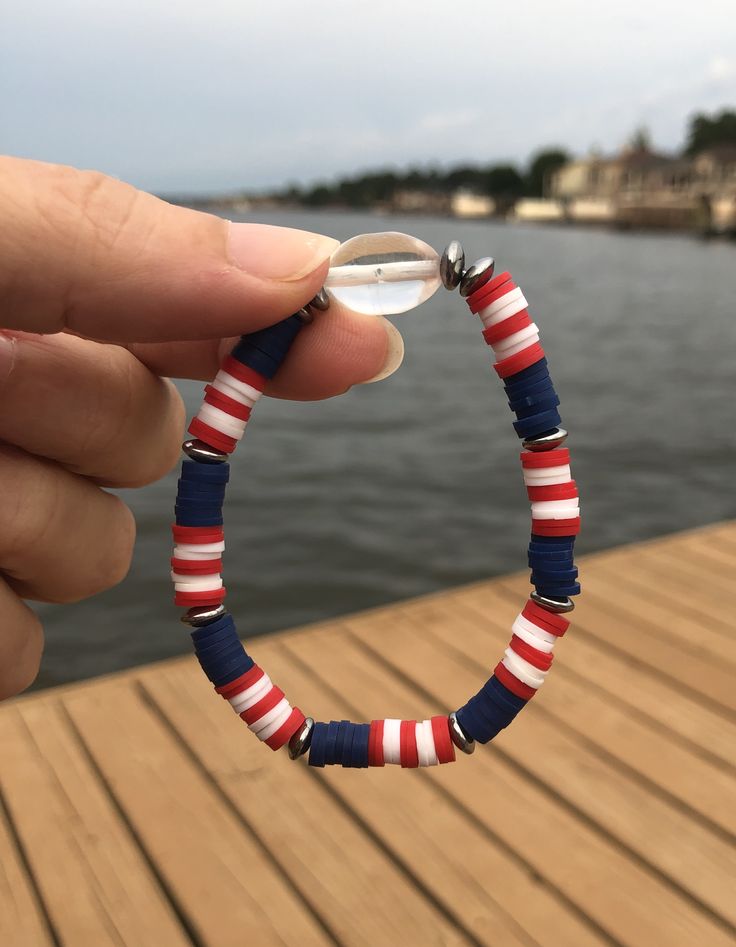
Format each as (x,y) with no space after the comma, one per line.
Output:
(641,188)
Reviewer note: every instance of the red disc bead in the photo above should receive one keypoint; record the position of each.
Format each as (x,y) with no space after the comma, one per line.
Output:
(554,491)
(196,566)
(235,368)
(287,730)
(444,747)
(539,659)
(225,403)
(512,683)
(551,622)
(273,697)
(569,527)
(190,599)
(210,435)
(491,296)
(375,744)
(502,330)
(476,301)
(547,458)
(197,535)
(241,683)
(409,751)
(518,362)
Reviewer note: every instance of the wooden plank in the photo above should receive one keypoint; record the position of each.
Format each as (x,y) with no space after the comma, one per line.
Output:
(708,553)
(674,584)
(501,899)
(22,923)
(724,535)
(573,698)
(326,855)
(626,633)
(631,901)
(671,615)
(691,855)
(214,870)
(95,884)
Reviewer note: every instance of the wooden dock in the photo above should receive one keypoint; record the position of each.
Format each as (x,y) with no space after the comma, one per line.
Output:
(137,810)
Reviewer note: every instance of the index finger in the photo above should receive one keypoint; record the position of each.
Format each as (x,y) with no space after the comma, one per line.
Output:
(87,253)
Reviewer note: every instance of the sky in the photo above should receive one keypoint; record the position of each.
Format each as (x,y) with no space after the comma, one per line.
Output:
(217,95)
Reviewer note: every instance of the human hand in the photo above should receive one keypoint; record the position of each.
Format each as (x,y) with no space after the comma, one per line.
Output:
(104,290)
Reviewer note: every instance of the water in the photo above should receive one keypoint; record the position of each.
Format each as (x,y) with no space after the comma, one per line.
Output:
(413,484)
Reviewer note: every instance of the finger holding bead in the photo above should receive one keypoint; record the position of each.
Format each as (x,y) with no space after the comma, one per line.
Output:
(339,349)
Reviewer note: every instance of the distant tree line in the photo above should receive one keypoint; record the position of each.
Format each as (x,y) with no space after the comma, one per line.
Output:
(504,182)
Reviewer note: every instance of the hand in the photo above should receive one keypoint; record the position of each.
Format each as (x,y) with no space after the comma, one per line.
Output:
(103,290)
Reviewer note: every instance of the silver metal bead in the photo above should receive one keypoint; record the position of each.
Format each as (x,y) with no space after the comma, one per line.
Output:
(476,276)
(203,615)
(557,606)
(203,453)
(459,737)
(305,315)
(452,264)
(301,740)
(546,441)
(321,301)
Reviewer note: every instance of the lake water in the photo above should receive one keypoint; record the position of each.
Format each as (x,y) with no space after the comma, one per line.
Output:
(413,484)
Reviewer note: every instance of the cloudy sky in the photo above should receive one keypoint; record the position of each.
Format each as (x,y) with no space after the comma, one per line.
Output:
(215,94)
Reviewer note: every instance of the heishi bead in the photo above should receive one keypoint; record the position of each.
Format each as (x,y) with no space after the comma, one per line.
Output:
(409,752)
(406,743)
(263,707)
(522,669)
(392,741)
(236,407)
(516,341)
(477,300)
(494,334)
(195,566)
(512,683)
(375,744)
(503,308)
(485,296)
(542,660)
(518,362)
(232,387)
(233,370)
(537,638)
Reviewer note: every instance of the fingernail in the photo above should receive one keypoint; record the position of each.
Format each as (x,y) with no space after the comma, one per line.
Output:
(394,353)
(277,253)
(7,355)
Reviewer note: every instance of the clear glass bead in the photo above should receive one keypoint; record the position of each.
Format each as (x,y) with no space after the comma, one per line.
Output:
(383,273)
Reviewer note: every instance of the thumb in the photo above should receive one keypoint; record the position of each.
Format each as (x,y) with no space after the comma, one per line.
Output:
(87,253)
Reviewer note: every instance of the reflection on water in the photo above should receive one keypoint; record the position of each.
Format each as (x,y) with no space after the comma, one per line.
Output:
(412,485)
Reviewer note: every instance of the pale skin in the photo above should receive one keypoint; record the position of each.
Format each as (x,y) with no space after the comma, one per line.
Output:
(105,293)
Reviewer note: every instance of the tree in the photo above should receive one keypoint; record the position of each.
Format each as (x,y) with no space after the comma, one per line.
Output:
(318,196)
(468,176)
(706,131)
(503,180)
(641,140)
(541,167)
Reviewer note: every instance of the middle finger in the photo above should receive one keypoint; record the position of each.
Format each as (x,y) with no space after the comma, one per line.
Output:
(93,408)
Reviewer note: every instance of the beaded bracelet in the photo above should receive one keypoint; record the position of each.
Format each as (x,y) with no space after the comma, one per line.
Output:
(380,273)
